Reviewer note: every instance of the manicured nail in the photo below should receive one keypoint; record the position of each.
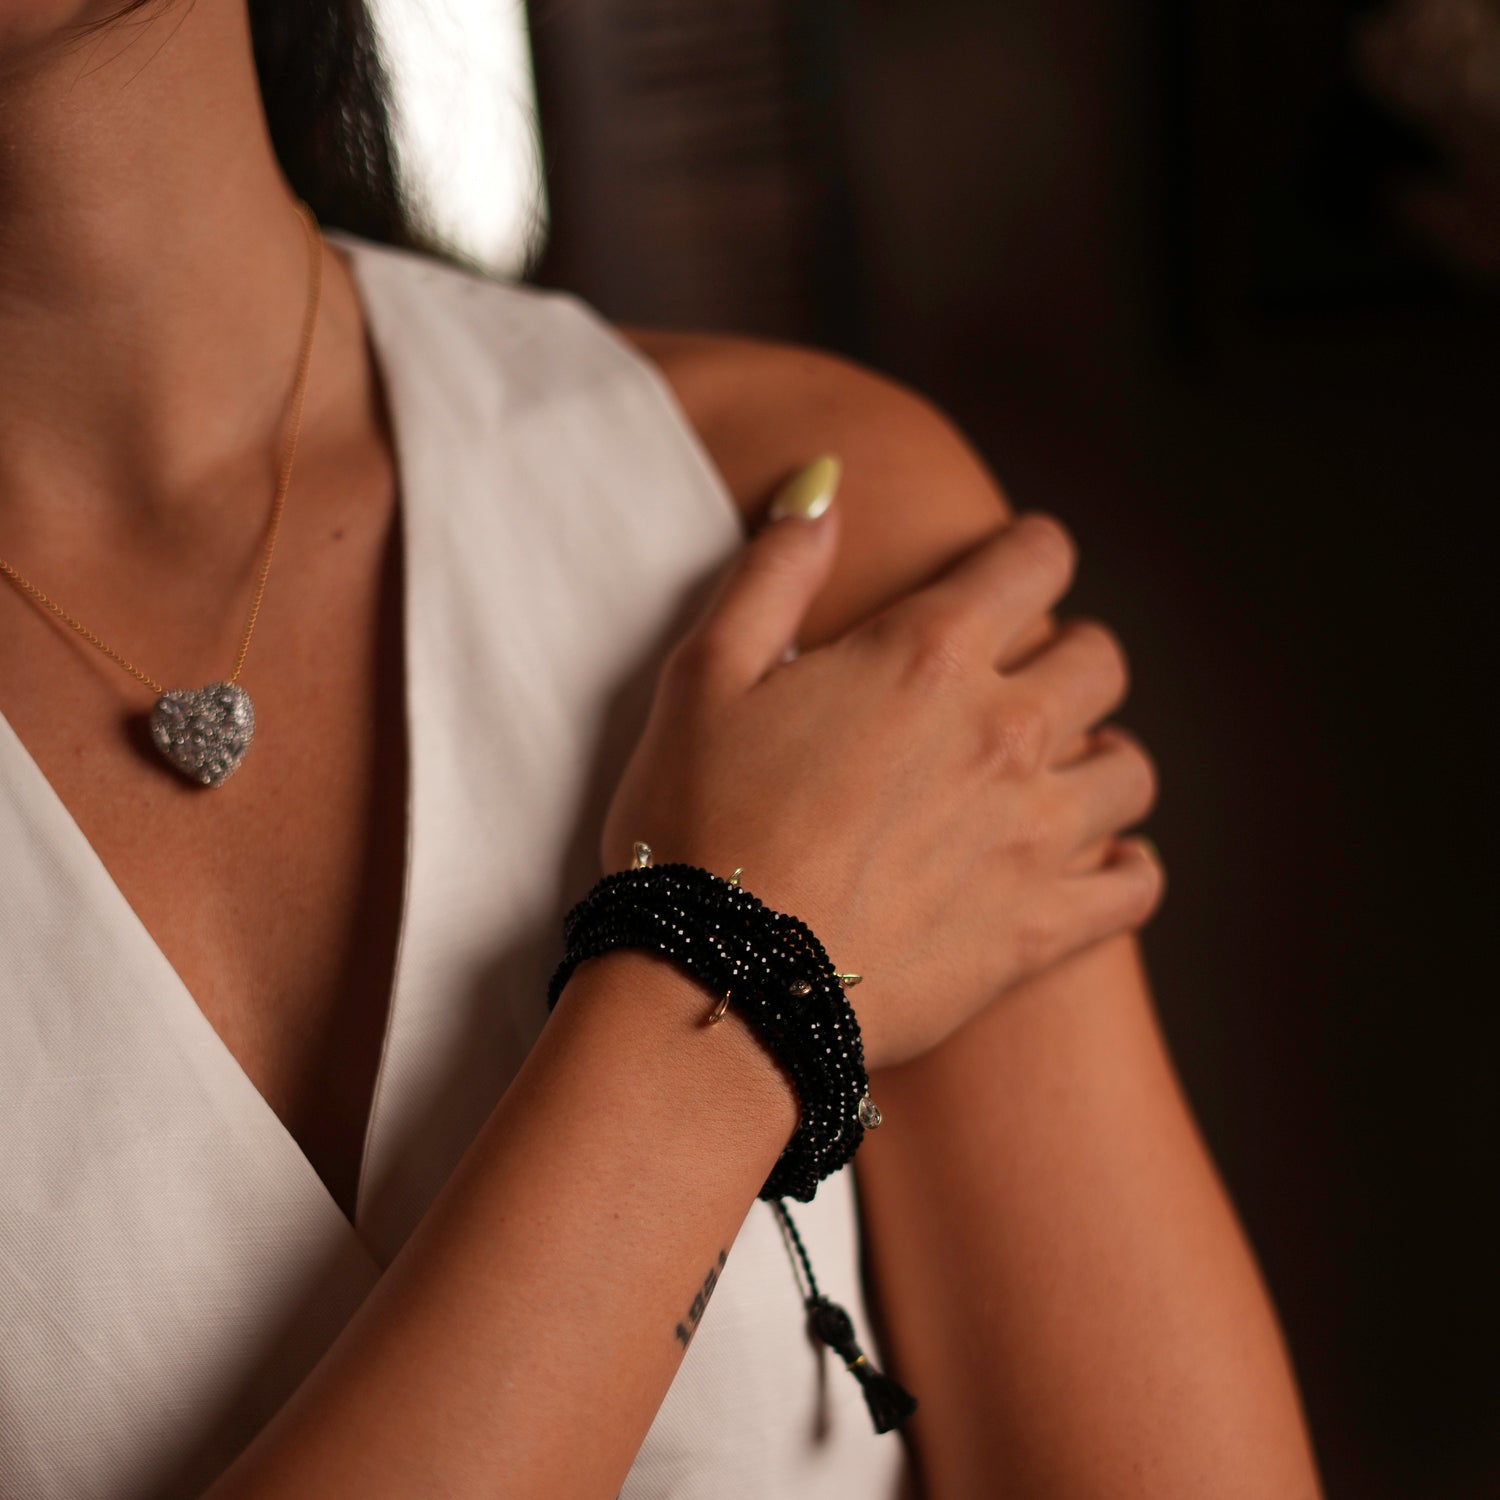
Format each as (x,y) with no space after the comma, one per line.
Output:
(809,492)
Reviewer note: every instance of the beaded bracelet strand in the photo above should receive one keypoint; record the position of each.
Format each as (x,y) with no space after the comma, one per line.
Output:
(780,978)
(785,986)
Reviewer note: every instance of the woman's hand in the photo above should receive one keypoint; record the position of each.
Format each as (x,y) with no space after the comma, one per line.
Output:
(910,802)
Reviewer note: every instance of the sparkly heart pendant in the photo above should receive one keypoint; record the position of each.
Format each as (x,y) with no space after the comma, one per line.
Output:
(204,732)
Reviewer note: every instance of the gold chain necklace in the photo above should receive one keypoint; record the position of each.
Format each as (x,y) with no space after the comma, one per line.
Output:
(204,732)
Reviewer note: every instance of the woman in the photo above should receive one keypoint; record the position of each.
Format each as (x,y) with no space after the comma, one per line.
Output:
(300,1197)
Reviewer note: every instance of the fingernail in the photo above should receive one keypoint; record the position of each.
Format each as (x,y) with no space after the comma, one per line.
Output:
(809,492)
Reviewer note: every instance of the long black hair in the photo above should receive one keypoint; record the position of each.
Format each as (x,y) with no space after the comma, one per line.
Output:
(328,105)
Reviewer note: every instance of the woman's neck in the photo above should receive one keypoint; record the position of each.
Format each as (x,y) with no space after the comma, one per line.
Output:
(153,273)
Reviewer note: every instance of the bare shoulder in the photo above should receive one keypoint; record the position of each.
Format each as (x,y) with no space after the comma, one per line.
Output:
(915,494)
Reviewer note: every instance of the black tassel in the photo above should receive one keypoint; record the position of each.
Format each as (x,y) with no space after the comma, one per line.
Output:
(890,1402)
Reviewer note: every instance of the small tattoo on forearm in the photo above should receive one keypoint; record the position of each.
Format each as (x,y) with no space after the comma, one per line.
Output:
(689,1326)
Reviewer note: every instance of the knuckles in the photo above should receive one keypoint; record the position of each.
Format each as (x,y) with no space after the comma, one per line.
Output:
(935,641)
(1028,840)
(1013,741)
(938,637)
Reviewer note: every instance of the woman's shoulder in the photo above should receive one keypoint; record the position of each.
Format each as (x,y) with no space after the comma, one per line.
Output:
(915,494)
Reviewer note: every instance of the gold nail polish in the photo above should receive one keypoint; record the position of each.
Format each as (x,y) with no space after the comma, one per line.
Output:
(809,492)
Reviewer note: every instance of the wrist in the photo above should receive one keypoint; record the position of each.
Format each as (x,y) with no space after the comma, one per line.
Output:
(655,1017)
(779,976)
(757,1102)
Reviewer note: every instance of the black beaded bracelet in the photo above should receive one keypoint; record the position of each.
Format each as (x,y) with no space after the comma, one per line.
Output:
(781,980)
(775,972)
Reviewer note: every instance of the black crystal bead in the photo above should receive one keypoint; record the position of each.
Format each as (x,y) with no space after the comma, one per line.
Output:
(757,954)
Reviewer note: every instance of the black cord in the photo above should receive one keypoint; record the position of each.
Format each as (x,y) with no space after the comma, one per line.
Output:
(779,978)
(890,1402)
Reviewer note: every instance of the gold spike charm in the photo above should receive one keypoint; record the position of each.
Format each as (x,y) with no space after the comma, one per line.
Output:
(717,1013)
(735,878)
(642,856)
(848,981)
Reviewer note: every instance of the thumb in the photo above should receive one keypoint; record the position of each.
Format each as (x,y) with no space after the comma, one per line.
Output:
(764,597)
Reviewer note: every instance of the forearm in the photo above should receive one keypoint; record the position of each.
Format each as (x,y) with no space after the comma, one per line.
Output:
(524,1338)
(1062,1279)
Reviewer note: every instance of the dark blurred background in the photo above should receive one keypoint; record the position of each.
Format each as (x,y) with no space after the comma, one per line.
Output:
(1219,284)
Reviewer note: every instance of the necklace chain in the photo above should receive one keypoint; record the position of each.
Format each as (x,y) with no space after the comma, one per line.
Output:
(310,323)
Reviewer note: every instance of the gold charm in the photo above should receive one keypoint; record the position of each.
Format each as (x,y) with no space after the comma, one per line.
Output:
(642,857)
(848,981)
(717,1013)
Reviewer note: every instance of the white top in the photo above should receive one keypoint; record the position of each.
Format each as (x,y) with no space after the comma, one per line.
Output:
(171,1265)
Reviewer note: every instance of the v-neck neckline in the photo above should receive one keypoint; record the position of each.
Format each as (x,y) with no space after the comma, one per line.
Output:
(18,766)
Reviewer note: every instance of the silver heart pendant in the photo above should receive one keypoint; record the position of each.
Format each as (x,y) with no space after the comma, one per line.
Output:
(204,732)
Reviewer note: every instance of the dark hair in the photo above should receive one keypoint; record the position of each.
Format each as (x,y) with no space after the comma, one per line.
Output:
(327,102)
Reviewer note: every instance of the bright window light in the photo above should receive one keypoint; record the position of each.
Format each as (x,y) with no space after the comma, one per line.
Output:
(460,73)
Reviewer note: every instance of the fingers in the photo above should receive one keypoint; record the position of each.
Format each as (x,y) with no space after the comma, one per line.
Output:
(761,601)
(1032,639)
(1110,789)
(992,597)
(1080,676)
(1119,897)
(1123,895)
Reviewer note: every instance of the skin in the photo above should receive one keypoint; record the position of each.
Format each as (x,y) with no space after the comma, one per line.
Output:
(1058,1267)
(1059,1272)
(136,467)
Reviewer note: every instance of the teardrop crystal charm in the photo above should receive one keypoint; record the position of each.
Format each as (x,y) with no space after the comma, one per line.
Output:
(869,1112)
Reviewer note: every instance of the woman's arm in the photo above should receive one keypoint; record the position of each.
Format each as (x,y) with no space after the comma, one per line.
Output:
(523,1339)
(547,1280)
(1060,1276)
